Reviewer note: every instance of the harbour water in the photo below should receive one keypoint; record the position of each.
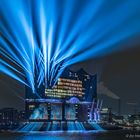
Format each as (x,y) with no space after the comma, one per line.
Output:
(108,135)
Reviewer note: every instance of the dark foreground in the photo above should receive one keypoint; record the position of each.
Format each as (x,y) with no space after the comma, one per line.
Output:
(91,135)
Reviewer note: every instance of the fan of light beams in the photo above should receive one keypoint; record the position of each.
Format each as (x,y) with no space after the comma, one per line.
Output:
(40,38)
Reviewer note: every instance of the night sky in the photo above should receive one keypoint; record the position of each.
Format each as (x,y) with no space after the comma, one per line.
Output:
(120,73)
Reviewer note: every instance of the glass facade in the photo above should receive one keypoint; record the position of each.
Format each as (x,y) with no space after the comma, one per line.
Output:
(56,111)
(61,111)
(69,99)
(65,89)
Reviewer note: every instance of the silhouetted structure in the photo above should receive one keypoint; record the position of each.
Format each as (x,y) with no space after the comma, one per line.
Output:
(71,96)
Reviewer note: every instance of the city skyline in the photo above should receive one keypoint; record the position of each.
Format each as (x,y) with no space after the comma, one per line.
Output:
(102,68)
(69,69)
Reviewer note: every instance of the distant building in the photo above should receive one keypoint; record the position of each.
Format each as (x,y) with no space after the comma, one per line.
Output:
(106,115)
(118,119)
(135,118)
(8,118)
(8,115)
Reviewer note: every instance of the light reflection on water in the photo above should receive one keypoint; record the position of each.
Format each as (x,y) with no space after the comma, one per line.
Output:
(54,138)
(46,137)
(118,135)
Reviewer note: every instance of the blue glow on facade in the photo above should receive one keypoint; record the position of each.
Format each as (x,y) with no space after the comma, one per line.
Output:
(39,37)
